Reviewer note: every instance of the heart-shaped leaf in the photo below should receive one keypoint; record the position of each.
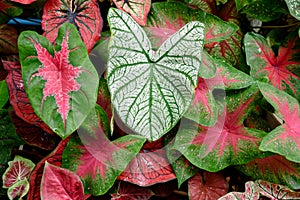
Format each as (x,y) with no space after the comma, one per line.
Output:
(284,139)
(280,70)
(251,193)
(84,14)
(18,169)
(151,90)
(19,189)
(35,179)
(8,42)
(3,93)
(275,169)
(61,82)
(60,183)
(207,185)
(18,97)
(138,9)
(294,7)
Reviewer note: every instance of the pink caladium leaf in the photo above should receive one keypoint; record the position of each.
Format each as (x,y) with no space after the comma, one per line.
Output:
(279,70)
(19,189)
(18,169)
(207,185)
(60,79)
(226,143)
(162,22)
(60,183)
(276,191)
(85,15)
(32,134)
(8,42)
(230,48)
(8,11)
(275,169)
(251,193)
(18,97)
(25,2)
(138,9)
(149,167)
(284,139)
(53,158)
(128,191)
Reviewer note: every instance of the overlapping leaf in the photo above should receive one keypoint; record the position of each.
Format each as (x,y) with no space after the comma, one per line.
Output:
(58,80)
(294,7)
(127,191)
(8,11)
(275,169)
(284,139)
(60,183)
(19,189)
(251,193)
(208,6)
(207,185)
(84,14)
(8,39)
(280,70)
(226,143)
(138,9)
(18,97)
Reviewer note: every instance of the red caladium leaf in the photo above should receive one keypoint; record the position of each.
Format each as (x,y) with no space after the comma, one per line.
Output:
(251,193)
(8,11)
(227,142)
(275,191)
(59,183)
(8,42)
(166,18)
(26,2)
(275,169)
(128,191)
(36,176)
(230,48)
(149,167)
(32,134)
(60,79)
(85,15)
(207,185)
(284,139)
(18,98)
(19,189)
(278,70)
(138,9)
(18,169)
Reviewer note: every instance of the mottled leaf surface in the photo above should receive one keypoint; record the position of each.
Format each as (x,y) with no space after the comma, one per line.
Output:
(150,91)
(8,39)
(207,185)
(59,79)
(18,169)
(275,169)
(280,70)
(294,8)
(284,139)
(138,9)
(128,191)
(84,14)
(251,193)
(60,183)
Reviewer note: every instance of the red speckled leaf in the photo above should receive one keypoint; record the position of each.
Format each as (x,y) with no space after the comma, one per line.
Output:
(275,191)
(8,11)
(18,98)
(284,139)
(138,9)
(275,169)
(84,14)
(32,134)
(18,169)
(280,70)
(8,39)
(226,143)
(251,193)
(128,191)
(207,186)
(36,175)
(26,2)
(149,167)
(60,183)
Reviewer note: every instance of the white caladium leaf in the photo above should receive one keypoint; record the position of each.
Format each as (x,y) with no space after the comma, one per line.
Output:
(151,90)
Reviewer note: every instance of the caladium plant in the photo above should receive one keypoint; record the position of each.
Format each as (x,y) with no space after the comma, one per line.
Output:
(175,100)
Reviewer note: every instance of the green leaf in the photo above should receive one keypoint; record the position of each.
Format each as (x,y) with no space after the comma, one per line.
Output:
(3,93)
(242,3)
(60,81)
(294,8)
(151,90)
